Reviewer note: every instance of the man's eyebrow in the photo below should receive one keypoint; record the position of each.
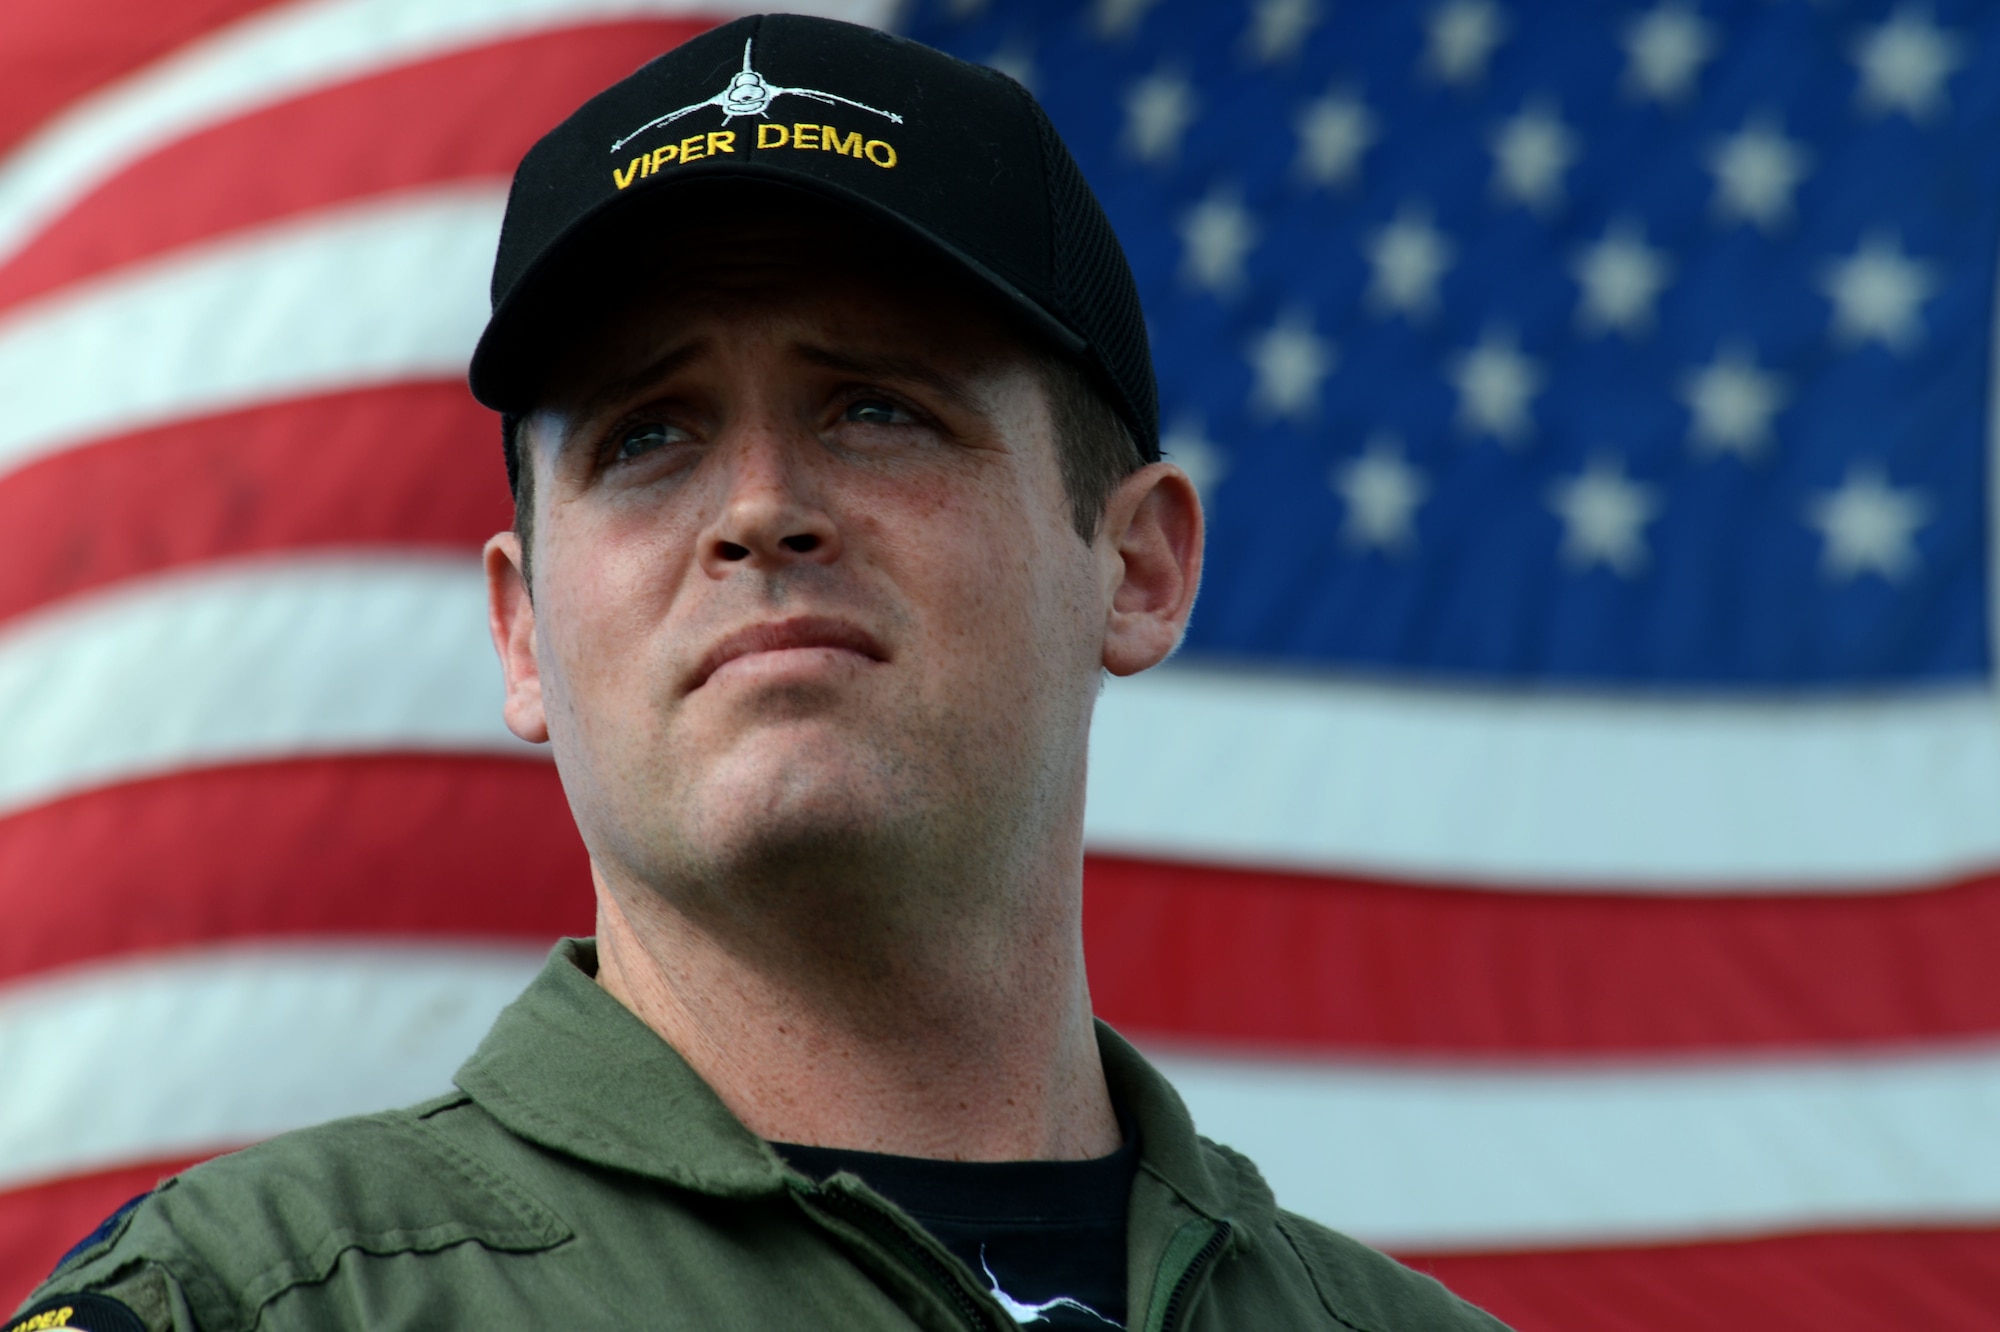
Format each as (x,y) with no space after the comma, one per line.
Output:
(625,387)
(885,366)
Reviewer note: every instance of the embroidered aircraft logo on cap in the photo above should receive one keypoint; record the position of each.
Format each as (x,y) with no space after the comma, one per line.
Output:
(748,93)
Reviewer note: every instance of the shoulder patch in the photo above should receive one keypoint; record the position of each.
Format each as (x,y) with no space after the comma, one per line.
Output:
(79,1313)
(104,1231)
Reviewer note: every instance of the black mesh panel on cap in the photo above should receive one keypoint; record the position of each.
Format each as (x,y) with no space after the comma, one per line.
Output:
(1094,284)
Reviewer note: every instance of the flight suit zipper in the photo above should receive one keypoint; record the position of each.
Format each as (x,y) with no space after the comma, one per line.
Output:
(885,1230)
(1187,1259)
(1189,1255)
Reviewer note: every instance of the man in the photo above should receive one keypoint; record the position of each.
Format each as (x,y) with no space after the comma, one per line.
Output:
(835,451)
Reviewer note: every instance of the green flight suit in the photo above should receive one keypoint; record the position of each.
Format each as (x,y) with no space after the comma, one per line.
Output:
(583,1176)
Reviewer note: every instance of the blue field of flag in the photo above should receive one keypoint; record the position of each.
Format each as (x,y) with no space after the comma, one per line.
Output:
(1558,343)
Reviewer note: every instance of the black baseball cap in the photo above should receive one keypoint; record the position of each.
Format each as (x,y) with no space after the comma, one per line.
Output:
(957,157)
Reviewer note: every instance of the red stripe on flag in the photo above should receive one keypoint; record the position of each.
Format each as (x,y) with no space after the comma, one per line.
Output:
(1299,963)
(448,846)
(1864,1281)
(410,846)
(468,115)
(402,465)
(57,51)
(38,1225)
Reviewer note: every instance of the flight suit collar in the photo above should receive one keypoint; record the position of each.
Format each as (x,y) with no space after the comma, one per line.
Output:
(1198,1176)
(570,1068)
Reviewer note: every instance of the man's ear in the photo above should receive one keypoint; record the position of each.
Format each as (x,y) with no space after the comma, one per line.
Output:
(1149,551)
(510,615)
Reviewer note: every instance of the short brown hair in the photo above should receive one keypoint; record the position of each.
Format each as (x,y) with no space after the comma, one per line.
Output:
(1095,450)
(1095,447)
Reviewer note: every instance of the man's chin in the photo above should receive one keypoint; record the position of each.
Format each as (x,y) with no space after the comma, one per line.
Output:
(803,788)
(793,841)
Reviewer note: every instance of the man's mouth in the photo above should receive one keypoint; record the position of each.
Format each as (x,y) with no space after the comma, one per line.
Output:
(802,632)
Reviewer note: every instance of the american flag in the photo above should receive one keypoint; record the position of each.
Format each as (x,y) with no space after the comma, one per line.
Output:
(1563,854)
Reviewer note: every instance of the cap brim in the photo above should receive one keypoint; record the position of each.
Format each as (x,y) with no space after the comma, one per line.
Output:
(576,281)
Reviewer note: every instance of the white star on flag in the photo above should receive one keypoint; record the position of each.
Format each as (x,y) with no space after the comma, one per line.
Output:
(1878,294)
(1531,151)
(1409,257)
(1290,361)
(1905,64)
(1496,383)
(1335,132)
(1217,235)
(1460,37)
(1016,62)
(1158,110)
(1187,445)
(1604,515)
(1279,27)
(1869,526)
(1120,18)
(1621,277)
(1383,493)
(1665,49)
(1732,403)
(1757,170)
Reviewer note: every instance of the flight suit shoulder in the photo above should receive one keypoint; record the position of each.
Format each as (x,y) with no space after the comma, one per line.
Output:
(227,1237)
(1371,1292)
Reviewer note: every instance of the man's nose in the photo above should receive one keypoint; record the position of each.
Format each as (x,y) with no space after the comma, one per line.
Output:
(772,514)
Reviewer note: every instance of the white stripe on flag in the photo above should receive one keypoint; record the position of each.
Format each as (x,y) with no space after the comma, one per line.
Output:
(240,662)
(221,1047)
(1429,1160)
(1547,791)
(196,1053)
(281,54)
(391,290)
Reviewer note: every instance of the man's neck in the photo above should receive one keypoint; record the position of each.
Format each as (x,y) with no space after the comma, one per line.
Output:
(988,1055)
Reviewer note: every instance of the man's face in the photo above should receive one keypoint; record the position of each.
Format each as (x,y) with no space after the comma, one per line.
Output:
(806,582)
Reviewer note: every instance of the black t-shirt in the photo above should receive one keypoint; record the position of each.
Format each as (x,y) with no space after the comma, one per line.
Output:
(1047,1237)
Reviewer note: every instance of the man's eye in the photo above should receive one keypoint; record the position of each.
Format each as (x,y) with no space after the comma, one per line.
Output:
(638,440)
(875,411)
